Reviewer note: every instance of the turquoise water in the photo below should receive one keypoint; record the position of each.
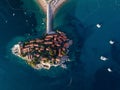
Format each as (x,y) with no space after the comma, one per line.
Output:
(78,19)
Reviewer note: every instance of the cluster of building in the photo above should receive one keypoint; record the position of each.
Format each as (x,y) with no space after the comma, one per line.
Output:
(52,49)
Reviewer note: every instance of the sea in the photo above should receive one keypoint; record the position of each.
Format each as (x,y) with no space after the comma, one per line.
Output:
(24,19)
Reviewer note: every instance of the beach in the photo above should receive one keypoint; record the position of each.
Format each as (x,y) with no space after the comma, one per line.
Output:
(55,4)
(43,4)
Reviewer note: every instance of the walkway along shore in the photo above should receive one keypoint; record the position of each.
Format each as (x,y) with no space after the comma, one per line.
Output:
(50,7)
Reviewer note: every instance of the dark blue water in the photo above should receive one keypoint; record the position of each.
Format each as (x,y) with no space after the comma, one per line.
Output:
(78,19)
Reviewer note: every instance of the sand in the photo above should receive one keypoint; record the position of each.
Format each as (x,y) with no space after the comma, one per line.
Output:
(55,4)
(43,4)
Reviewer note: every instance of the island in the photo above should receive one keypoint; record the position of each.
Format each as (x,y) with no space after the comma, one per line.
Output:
(49,50)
